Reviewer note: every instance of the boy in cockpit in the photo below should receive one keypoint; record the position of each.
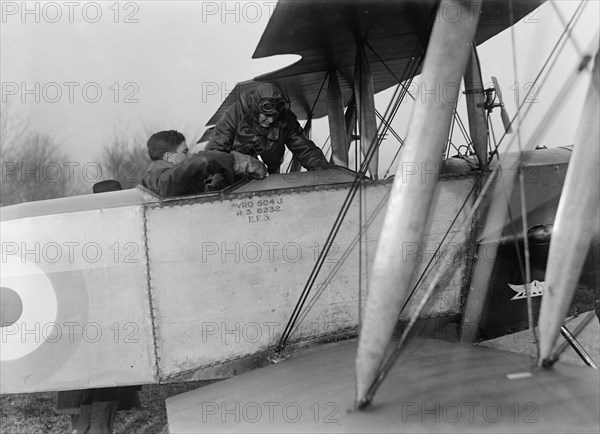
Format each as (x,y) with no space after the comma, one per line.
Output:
(174,172)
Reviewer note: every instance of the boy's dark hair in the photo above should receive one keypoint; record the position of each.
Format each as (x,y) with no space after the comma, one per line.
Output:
(164,141)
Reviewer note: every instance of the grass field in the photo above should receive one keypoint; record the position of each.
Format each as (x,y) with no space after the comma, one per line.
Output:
(35,413)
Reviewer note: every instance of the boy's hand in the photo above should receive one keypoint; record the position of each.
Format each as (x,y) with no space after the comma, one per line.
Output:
(221,163)
(216,182)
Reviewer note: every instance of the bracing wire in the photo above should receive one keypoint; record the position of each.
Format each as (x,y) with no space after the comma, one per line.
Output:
(548,64)
(493,138)
(387,364)
(412,66)
(310,114)
(395,354)
(527,276)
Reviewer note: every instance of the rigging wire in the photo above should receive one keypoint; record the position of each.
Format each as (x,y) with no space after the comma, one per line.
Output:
(526,272)
(407,87)
(489,138)
(527,276)
(327,246)
(562,95)
(385,65)
(493,135)
(556,104)
(463,129)
(510,216)
(493,138)
(395,354)
(426,270)
(310,113)
(327,146)
(321,288)
(356,153)
(399,101)
(386,366)
(552,57)
(449,139)
(397,106)
(361,238)
(412,66)
(397,137)
(570,35)
(365,232)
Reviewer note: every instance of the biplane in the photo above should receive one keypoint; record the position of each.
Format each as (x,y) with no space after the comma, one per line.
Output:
(312,288)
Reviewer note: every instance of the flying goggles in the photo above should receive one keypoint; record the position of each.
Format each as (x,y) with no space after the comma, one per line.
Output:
(271,106)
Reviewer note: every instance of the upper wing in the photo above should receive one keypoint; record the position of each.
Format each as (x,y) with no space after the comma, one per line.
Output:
(325,34)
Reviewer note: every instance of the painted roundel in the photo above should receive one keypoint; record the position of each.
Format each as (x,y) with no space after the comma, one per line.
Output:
(43,307)
(11,307)
(28,306)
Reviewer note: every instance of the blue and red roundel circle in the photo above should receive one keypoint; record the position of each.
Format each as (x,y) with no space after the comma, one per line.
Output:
(43,308)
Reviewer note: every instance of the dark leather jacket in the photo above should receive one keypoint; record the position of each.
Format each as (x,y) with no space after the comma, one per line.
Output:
(238,131)
(187,177)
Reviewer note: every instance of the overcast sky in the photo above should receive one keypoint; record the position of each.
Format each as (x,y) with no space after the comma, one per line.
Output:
(168,65)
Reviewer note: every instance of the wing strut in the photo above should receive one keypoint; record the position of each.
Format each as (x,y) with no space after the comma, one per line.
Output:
(337,123)
(350,119)
(365,98)
(447,54)
(475,107)
(576,217)
(295,165)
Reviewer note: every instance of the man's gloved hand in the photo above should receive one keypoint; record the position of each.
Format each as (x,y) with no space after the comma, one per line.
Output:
(245,165)
(323,165)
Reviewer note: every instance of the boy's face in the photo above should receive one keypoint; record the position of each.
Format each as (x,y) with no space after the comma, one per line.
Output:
(180,154)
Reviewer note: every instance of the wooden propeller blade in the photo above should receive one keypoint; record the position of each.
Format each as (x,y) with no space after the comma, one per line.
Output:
(505,120)
(503,113)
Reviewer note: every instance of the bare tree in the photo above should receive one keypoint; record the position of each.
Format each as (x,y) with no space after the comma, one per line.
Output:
(33,165)
(125,159)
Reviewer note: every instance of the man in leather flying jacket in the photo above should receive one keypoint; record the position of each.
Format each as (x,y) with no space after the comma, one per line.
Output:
(260,124)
